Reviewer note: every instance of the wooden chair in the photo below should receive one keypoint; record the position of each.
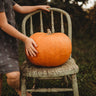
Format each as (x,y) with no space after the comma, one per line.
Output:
(69,68)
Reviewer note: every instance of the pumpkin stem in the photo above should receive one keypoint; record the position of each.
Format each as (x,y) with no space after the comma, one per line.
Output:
(48,31)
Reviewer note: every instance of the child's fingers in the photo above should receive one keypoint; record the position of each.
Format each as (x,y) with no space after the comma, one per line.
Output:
(33,42)
(32,53)
(27,52)
(34,49)
(47,10)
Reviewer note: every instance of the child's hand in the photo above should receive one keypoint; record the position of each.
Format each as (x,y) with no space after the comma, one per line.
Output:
(30,47)
(44,7)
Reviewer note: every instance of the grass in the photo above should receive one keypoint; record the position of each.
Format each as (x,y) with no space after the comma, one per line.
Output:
(84,51)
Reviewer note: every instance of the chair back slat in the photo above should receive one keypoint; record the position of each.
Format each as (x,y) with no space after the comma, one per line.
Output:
(31,26)
(62,23)
(62,12)
(41,22)
(52,22)
(69,27)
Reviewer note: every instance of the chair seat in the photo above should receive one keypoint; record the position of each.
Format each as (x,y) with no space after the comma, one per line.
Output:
(70,67)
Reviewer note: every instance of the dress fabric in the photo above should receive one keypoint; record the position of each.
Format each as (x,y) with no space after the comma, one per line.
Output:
(8,44)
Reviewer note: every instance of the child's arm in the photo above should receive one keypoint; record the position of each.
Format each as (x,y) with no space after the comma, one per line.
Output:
(28,9)
(29,43)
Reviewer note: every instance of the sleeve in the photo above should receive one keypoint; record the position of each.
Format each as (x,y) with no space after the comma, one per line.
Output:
(2,9)
(13,2)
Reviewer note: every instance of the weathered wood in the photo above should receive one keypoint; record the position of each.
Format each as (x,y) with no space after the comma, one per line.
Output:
(52,9)
(66,80)
(69,67)
(31,26)
(50,90)
(41,22)
(62,23)
(75,85)
(23,87)
(34,82)
(52,22)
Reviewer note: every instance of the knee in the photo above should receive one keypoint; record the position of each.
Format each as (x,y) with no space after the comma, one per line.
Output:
(13,75)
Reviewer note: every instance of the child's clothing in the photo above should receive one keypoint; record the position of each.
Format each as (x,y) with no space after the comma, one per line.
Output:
(8,44)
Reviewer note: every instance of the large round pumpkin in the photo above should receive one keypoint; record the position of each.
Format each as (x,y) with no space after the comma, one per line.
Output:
(53,49)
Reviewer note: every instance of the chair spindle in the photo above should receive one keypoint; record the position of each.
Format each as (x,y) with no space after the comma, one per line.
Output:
(62,24)
(52,22)
(41,22)
(31,26)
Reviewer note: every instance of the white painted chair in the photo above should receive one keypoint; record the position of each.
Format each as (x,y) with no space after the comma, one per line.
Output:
(69,68)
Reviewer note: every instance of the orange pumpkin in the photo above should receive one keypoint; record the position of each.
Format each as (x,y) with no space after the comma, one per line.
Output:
(53,49)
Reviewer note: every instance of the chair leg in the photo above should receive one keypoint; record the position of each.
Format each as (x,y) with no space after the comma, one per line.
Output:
(23,87)
(34,83)
(75,85)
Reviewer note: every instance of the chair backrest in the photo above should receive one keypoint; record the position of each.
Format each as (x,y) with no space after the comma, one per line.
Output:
(62,13)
